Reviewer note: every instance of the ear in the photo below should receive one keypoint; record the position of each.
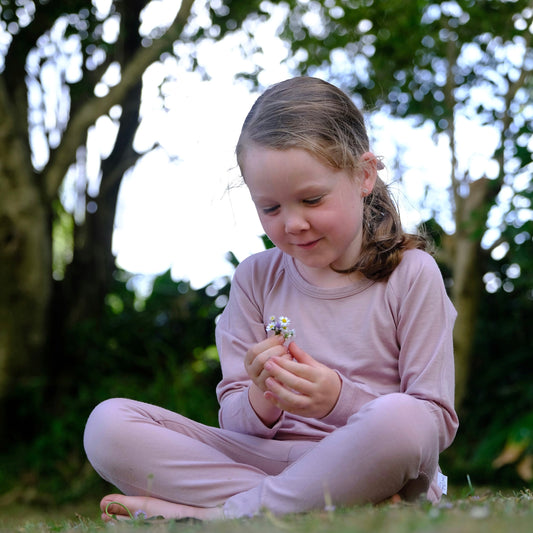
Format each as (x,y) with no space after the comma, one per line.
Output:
(369,172)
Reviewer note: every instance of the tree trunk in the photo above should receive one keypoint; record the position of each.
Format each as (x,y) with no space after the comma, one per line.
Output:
(25,265)
(88,277)
(467,266)
(27,196)
(466,291)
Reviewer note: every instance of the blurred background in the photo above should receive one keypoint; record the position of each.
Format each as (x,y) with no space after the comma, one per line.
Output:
(122,217)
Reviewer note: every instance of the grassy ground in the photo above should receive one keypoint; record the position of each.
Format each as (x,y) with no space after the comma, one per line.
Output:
(488,512)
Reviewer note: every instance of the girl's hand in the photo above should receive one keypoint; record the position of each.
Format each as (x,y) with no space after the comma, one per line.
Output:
(259,354)
(300,384)
(254,363)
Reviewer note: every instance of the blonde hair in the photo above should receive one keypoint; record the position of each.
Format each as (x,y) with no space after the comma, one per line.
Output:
(314,115)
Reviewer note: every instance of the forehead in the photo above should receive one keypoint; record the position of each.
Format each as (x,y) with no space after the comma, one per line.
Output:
(268,172)
(261,161)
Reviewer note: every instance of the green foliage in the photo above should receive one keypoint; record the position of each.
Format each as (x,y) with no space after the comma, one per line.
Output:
(396,53)
(498,410)
(159,350)
(267,242)
(62,240)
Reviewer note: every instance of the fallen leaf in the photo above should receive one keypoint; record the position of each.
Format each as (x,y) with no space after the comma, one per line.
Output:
(525,467)
(510,453)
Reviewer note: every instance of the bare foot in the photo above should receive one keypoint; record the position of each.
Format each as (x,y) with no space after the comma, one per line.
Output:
(118,505)
(394,499)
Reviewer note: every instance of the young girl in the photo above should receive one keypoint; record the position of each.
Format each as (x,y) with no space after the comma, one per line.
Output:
(359,405)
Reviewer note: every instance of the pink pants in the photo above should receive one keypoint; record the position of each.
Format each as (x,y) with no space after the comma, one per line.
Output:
(390,446)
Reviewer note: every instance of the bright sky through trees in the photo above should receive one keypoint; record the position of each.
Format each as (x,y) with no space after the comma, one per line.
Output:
(179,207)
(175,208)
(183,206)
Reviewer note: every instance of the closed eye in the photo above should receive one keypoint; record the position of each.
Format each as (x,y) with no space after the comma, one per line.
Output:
(313,201)
(270,210)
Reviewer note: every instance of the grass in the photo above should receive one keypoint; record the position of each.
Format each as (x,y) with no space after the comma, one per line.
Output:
(489,512)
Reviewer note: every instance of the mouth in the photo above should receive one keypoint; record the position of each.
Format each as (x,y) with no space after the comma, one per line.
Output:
(307,245)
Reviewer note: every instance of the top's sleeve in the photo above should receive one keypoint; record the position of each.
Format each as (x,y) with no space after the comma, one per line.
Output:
(421,334)
(239,327)
(425,323)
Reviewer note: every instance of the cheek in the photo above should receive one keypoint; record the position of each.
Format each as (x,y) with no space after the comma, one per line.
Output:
(270,226)
(347,218)
(352,206)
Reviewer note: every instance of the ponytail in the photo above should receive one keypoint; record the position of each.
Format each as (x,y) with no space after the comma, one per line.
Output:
(384,240)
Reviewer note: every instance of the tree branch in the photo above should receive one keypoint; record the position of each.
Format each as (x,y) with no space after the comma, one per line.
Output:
(73,136)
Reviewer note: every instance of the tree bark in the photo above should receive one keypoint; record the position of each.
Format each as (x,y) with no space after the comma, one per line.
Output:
(26,208)
(25,261)
(467,278)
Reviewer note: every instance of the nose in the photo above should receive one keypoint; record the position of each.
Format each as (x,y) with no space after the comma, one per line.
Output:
(295,222)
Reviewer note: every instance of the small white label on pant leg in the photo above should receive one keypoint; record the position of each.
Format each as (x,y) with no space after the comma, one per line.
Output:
(442,481)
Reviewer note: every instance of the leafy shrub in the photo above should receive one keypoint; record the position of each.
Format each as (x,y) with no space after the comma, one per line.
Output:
(159,350)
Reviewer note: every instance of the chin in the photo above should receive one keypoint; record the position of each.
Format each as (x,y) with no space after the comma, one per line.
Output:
(317,265)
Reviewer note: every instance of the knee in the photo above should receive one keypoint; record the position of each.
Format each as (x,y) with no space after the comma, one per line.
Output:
(401,438)
(103,428)
(404,425)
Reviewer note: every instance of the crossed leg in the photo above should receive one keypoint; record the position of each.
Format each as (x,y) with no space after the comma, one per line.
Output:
(389,447)
(167,465)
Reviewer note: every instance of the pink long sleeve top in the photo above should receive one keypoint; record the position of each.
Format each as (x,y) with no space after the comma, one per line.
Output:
(380,337)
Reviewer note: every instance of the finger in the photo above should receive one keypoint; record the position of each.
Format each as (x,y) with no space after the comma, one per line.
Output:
(291,375)
(261,362)
(301,355)
(281,366)
(284,398)
(258,354)
(270,341)
(260,347)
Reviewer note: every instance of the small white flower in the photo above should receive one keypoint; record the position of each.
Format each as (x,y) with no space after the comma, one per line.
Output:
(280,326)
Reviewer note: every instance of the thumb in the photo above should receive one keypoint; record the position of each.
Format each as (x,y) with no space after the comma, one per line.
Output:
(300,355)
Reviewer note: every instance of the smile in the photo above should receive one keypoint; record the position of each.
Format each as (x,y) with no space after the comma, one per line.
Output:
(308,245)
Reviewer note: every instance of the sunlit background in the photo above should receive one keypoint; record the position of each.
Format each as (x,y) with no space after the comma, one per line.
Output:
(182,206)
(78,337)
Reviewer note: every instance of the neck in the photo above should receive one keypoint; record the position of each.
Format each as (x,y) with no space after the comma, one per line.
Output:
(326,278)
